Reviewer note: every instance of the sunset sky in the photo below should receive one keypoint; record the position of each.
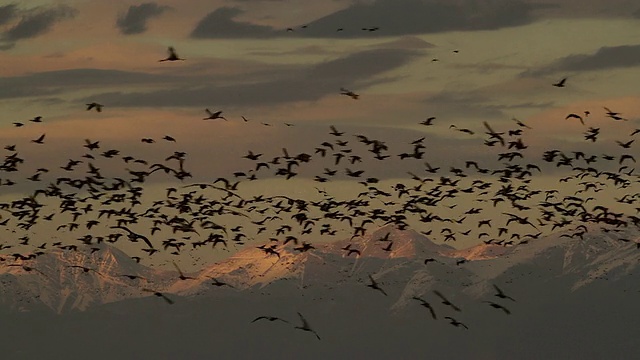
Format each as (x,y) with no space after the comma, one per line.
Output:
(496,60)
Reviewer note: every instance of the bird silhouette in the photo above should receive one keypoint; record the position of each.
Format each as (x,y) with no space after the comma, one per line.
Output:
(445,301)
(269,318)
(501,294)
(455,322)
(39,140)
(181,274)
(305,326)
(374,285)
(160,295)
(575,116)
(498,306)
(220,283)
(94,105)
(349,93)
(428,121)
(133,236)
(427,305)
(560,83)
(172,55)
(214,115)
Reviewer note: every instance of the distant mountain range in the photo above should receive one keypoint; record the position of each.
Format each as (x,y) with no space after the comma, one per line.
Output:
(572,298)
(74,280)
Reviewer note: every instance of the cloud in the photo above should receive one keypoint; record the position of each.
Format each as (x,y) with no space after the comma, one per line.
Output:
(286,85)
(219,24)
(405,42)
(56,82)
(465,105)
(395,18)
(136,17)
(37,22)
(7,13)
(605,58)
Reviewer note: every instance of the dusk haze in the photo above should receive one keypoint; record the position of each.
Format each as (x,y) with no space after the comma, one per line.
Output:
(330,179)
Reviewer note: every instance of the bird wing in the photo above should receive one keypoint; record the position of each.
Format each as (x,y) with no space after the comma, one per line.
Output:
(146,240)
(169,301)
(177,268)
(305,324)
(486,125)
(440,295)
(433,313)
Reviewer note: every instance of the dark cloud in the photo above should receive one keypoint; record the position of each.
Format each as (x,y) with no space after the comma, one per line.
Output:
(468,105)
(636,14)
(56,82)
(419,16)
(405,42)
(605,58)
(38,22)
(7,13)
(391,17)
(287,85)
(134,21)
(219,24)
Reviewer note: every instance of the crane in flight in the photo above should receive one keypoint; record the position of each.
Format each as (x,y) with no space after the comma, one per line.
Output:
(173,56)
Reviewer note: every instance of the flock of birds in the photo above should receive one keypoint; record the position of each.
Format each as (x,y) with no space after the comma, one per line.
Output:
(198,214)
(374,285)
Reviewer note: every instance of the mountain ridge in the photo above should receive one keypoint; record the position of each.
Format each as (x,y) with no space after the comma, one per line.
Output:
(64,280)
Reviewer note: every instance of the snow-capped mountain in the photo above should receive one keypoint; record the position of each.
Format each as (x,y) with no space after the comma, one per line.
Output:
(564,297)
(405,260)
(64,280)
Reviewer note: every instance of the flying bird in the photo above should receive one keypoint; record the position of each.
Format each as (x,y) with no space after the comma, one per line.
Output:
(349,93)
(428,121)
(445,301)
(455,322)
(305,326)
(501,294)
(269,318)
(134,237)
(181,277)
(39,140)
(427,305)
(160,295)
(214,115)
(374,285)
(560,83)
(94,105)
(173,56)
(520,123)
(575,116)
(498,306)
